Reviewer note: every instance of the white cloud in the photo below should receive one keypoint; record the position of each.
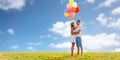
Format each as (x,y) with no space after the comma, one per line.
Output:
(12,4)
(90,1)
(48,36)
(109,22)
(11,31)
(62,28)
(107,3)
(115,25)
(117,50)
(14,47)
(61,45)
(99,41)
(115,11)
(31,48)
(41,37)
(102,19)
(33,44)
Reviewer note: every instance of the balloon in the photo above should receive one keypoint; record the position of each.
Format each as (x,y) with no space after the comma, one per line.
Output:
(75,5)
(73,9)
(77,10)
(72,15)
(71,1)
(66,14)
(69,5)
(67,10)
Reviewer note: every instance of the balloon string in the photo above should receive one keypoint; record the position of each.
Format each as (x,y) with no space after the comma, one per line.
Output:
(79,18)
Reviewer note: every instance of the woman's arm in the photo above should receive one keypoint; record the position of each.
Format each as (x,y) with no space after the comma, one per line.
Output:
(77,32)
(73,33)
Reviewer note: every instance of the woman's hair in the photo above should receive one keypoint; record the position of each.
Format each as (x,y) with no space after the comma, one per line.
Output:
(72,25)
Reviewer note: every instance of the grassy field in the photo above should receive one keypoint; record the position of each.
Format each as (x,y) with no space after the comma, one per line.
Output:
(58,56)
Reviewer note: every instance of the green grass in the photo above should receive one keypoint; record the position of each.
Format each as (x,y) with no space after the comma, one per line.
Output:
(58,56)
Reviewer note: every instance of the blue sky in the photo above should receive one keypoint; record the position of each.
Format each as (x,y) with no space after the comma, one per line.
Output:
(40,25)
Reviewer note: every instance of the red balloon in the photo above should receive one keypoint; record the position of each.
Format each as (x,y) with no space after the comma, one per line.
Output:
(77,10)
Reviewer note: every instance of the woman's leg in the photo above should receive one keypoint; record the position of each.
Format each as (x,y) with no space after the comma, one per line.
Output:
(72,48)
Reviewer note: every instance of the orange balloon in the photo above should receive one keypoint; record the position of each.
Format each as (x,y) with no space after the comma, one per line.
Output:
(73,9)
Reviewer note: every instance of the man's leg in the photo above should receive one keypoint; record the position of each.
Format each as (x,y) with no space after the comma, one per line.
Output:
(72,48)
(81,51)
(78,50)
(77,44)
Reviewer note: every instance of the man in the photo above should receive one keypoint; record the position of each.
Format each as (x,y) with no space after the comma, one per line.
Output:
(78,37)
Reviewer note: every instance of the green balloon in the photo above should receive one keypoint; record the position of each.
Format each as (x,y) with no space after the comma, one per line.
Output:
(71,1)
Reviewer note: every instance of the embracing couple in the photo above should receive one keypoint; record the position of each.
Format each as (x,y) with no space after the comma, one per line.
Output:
(76,37)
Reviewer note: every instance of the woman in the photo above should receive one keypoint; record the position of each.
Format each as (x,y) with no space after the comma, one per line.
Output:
(72,37)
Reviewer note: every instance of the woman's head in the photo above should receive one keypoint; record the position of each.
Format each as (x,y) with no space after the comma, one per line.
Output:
(72,24)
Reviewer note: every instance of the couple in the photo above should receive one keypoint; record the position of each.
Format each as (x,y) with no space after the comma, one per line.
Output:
(76,37)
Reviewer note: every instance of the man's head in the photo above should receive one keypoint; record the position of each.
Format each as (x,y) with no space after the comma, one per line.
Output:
(78,22)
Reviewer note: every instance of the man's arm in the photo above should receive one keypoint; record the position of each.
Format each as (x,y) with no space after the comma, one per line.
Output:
(76,32)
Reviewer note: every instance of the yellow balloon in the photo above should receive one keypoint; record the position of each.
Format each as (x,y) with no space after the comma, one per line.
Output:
(66,14)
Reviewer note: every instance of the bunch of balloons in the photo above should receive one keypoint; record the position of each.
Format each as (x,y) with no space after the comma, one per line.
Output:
(71,9)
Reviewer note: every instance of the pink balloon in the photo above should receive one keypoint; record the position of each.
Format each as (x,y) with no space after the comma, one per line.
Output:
(69,5)
(72,14)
